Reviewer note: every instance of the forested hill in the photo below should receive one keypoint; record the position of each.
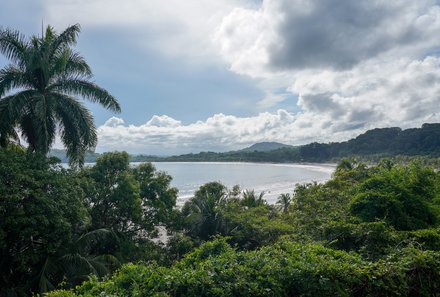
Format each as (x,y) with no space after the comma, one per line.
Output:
(424,141)
(265,147)
(394,141)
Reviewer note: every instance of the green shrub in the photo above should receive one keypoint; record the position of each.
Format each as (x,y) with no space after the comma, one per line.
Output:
(284,269)
(371,240)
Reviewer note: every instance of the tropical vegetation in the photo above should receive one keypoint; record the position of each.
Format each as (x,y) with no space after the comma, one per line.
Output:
(60,225)
(369,231)
(40,91)
(111,229)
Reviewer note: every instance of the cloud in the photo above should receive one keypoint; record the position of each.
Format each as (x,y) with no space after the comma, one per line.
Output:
(243,39)
(354,65)
(173,27)
(114,122)
(271,100)
(325,34)
(340,34)
(336,105)
(402,93)
(217,133)
(322,103)
(163,121)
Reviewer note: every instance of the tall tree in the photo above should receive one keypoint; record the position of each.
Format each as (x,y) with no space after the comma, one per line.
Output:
(131,202)
(284,201)
(251,199)
(41,212)
(40,91)
(203,212)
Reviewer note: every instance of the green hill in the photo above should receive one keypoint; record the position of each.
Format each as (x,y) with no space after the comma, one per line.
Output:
(382,142)
(424,141)
(265,147)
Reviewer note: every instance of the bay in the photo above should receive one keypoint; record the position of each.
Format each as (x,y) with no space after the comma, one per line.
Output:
(273,179)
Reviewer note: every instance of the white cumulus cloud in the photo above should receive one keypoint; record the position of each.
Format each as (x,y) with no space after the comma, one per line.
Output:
(336,105)
(217,133)
(163,121)
(113,122)
(174,27)
(354,65)
(337,34)
(402,93)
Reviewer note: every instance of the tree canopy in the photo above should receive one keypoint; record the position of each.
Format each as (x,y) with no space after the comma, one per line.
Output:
(41,212)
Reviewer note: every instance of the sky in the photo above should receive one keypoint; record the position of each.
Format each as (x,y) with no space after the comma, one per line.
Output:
(220,75)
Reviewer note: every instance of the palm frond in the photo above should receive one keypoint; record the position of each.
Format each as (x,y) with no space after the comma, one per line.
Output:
(80,116)
(12,77)
(7,133)
(250,198)
(66,38)
(77,264)
(70,65)
(13,45)
(77,65)
(11,107)
(37,122)
(78,131)
(86,241)
(284,201)
(87,90)
(102,263)
(27,127)
(44,278)
(8,136)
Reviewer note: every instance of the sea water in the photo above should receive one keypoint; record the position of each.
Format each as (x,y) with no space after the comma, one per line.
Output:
(273,179)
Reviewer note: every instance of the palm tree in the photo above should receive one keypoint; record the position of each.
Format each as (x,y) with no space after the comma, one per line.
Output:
(284,201)
(251,199)
(40,91)
(203,212)
(74,262)
(345,165)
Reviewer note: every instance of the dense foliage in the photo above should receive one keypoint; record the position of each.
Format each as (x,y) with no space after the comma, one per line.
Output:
(369,231)
(131,202)
(41,211)
(285,269)
(59,226)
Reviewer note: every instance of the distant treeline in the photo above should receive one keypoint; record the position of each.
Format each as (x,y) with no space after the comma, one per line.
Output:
(90,157)
(384,142)
(381,142)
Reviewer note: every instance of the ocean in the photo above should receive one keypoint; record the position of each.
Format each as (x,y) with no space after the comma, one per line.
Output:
(273,179)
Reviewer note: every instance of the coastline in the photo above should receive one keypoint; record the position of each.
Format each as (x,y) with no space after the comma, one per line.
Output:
(271,178)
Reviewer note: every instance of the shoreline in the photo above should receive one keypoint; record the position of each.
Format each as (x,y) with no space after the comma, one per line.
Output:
(275,182)
(272,187)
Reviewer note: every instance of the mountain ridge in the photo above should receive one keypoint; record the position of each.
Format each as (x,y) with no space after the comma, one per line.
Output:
(392,141)
(265,146)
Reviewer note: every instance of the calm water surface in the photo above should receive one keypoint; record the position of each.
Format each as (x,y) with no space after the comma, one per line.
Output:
(273,179)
